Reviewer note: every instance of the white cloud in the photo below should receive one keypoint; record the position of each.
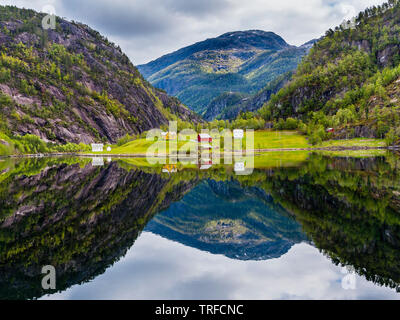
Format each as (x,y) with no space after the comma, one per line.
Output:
(156,268)
(147,29)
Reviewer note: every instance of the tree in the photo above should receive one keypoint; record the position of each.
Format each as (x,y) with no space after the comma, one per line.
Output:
(391,138)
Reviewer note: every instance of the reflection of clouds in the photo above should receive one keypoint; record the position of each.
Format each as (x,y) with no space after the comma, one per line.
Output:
(156,268)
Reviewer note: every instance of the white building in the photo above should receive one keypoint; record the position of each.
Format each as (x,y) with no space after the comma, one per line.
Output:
(97,147)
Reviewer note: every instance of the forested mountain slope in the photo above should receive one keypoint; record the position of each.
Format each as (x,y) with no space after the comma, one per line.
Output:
(349,80)
(72,85)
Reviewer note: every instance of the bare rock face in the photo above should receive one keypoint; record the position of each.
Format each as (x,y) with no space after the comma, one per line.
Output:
(72,85)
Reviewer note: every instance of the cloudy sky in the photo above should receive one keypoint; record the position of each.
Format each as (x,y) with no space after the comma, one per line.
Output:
(147,29)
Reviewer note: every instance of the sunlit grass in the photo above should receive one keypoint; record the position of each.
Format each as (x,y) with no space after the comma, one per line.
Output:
(355,153)
(279,140)
(263,140)
(357,142)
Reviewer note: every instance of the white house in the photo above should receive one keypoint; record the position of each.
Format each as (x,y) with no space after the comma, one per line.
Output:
(97,147)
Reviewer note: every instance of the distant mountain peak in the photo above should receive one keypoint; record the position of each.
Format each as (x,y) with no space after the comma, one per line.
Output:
(254,38)
(243,62)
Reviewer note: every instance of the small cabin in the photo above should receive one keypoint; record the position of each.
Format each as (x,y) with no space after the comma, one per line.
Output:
(204,137)
(330,130)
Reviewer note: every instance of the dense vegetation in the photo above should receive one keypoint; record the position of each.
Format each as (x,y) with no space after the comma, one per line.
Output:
(349,81)
(69,225)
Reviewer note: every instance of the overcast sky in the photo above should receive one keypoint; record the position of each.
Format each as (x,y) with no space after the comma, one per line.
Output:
(148,29)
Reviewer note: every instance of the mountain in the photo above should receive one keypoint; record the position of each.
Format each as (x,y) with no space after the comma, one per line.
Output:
(230,104)
(350,77)
(72,85)
(224,218)
(239,62)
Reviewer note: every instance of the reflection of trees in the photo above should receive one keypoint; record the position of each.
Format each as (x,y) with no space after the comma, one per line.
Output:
(79,219)
(350,209)
(82,219)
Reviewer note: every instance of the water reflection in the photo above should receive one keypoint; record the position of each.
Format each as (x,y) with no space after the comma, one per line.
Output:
(221,217)
(83,219)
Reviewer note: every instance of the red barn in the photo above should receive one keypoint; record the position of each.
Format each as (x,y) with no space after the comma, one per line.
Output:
(204,137)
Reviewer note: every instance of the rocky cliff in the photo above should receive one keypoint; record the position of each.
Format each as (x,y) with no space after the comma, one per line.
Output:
(72,85)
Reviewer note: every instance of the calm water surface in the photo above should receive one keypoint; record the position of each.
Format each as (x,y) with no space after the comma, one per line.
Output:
(302,226)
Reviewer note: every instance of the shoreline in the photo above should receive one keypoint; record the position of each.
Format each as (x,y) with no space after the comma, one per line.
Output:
(140,155)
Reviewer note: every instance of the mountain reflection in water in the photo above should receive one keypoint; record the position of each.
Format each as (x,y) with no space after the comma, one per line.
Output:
(83,219)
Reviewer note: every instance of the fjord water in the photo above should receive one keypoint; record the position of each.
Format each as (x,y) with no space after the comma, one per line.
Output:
(307,226)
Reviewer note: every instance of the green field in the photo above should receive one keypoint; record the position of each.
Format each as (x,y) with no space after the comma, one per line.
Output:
(263,141)
(279,140)
(357,142)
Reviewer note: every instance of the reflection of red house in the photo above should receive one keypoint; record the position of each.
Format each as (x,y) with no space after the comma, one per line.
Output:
(206,161)
(205,164)
(204,137)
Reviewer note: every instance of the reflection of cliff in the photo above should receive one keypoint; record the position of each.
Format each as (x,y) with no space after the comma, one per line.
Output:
(224,218)
(79,219)
(351,214)
(82,219)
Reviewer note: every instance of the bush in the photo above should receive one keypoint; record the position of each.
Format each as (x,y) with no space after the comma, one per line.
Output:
(316,134)
(391,138)
(125,139)
(30,144)
(288,124)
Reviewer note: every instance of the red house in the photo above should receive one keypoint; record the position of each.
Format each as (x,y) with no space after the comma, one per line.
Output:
(329,130)
(204,137)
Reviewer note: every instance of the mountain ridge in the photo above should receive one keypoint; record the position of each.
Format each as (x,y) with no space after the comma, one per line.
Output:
(243,62)
(223,41)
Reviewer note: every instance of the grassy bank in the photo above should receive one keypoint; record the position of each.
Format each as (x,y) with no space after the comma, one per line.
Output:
(263,141)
